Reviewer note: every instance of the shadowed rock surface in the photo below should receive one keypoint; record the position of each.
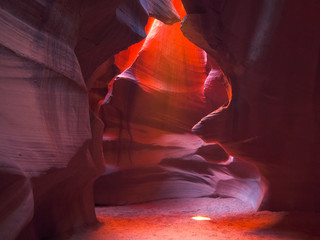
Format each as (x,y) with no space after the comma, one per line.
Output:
(51,149)
(69,106)
(269,51)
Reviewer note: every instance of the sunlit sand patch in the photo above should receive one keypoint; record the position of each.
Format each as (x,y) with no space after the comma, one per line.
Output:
(201,218)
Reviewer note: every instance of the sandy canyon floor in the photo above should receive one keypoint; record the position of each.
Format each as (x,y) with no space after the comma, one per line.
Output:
(172,220)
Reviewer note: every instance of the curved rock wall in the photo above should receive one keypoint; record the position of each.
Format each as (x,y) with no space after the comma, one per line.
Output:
(148,116)
(53,54)
(51,147)
(269,50)
(42,95)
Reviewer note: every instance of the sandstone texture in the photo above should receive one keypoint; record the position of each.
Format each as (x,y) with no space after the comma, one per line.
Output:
(51,146)
(101,104)
(269,51)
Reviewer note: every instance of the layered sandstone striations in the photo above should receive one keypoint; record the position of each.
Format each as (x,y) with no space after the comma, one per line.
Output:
(51,149)
(256,71)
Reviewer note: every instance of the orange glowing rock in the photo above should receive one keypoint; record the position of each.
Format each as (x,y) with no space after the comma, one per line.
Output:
(168,61)
(125,58)
(169,87)
(165,81)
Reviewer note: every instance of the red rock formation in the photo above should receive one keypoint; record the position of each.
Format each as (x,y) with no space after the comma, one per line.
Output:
(270,52)
(153,105)
(43,95)
(51,149)
(167,79)
(53,54)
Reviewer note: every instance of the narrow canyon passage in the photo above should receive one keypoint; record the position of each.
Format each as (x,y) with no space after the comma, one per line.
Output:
(148,113)
(123,119)
(163,90)
(152,155)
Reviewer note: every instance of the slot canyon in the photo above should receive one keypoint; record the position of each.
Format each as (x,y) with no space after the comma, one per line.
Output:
(134,119)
